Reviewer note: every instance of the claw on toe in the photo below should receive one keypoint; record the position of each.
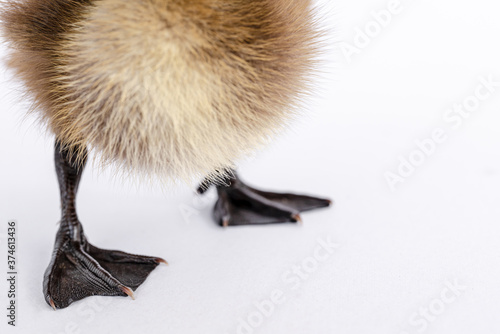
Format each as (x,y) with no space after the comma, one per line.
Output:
(51,302)
(297,218)
(128,291)
(160,260)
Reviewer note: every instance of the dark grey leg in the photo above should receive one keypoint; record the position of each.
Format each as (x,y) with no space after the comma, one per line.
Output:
(78,269)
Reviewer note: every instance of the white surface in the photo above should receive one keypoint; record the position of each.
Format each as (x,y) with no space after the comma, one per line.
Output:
(398,250)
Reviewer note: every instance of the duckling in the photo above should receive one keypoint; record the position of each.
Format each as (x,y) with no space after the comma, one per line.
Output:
(169,89)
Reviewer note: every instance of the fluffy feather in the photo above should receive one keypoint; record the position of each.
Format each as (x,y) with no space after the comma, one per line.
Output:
(176,88)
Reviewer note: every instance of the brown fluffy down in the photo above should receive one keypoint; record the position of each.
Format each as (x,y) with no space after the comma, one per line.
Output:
(175,88)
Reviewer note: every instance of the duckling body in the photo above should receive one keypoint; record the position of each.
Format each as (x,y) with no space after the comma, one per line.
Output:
(175,89)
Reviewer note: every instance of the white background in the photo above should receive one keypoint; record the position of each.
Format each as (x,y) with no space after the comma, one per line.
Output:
(398,250)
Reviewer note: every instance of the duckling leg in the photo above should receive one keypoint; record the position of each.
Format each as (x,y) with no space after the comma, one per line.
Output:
(240,204)
(77,268)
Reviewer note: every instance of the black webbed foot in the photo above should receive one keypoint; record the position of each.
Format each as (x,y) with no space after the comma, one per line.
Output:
(239,204)
(79,269)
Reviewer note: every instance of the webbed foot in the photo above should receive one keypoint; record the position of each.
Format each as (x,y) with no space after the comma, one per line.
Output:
(79,269)
(240,204)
